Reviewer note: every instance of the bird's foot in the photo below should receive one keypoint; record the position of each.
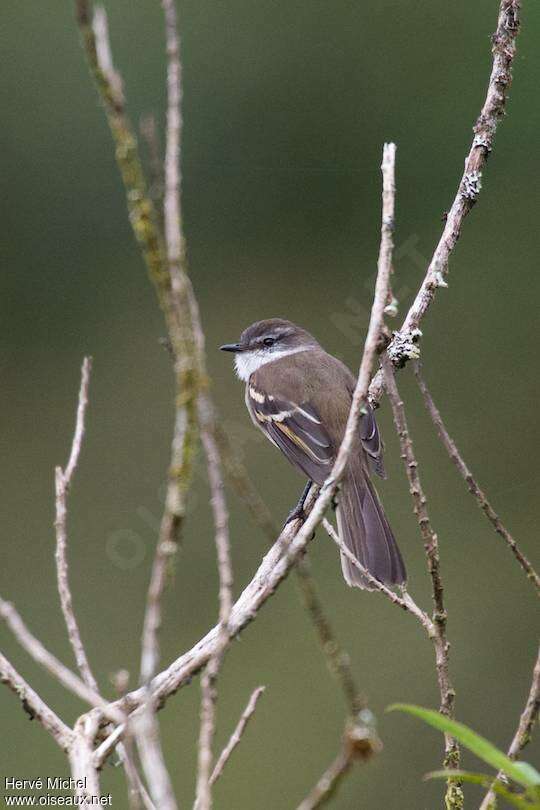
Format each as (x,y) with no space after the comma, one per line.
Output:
(298,512)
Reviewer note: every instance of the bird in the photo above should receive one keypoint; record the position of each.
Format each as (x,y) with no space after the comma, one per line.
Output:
(300,396)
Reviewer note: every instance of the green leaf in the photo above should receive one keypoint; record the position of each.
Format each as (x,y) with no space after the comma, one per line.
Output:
(515,799)
(526,776)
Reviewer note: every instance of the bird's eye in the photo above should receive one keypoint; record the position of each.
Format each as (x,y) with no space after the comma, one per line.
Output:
(269,341)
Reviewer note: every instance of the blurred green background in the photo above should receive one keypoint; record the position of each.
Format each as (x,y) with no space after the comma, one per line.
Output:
(287,105)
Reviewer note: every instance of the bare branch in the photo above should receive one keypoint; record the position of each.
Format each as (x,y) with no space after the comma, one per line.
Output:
(209,678)
(149,132)
(146,730)
(360,743)
(406,602)
(79,425)
(47,660)
(454,795)
(329,781)
(166,548)
(504,49)
(236,736)
(173,224)
(337,659)
(527,722)
(34,706)
(63,482)
(472,485)
(81,759)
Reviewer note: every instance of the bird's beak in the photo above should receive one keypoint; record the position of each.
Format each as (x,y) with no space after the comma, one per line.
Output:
(231,347)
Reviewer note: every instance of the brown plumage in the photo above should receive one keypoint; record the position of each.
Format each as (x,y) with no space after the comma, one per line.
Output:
(301,401)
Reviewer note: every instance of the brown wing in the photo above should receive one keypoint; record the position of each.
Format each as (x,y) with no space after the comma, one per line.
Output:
(371,441)
(295,428)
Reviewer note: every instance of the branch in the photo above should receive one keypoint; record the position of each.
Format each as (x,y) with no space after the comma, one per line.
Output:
(524,731)
(472,485)
(166,547)
(504,48)
(47,660)
(454,795)
(236,736)
(63,482)
(34,706)
(146,730)
(360,743)
(83,769)
(210,675)
(337,659)
(329,781)
(406,602)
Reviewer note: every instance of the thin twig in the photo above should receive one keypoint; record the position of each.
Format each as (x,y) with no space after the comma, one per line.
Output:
(360,743)
(48,661)
(166,548)
(63,481)
(209,678)
(146,731)
(471,482)
(454,795)
(81,758)
(236,736)
(149,132)
(504,48)
(329,781)
(338,660)
(521,738)
(34,706)
(405,602)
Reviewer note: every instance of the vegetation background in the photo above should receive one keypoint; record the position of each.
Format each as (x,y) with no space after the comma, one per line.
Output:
(286,107)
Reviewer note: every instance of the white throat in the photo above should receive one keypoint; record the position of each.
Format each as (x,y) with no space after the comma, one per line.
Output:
(246,363)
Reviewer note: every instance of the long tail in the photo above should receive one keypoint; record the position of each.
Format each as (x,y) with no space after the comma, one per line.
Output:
(364,529)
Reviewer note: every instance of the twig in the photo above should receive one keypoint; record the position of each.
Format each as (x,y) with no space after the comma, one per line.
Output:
(329,781)
(166,548)
(236,736)
(504,49)
(472,485)
(47,660)
(337,658)
(149,132)
(81,759)
(524,731)
(210,674)
(173,225)
(63,481)
(136,789)
(360,742)
(146,731)
(171,283)
(34,706)
(454,795)
(405,602)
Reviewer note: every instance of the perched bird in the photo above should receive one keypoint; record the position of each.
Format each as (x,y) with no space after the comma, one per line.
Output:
(300,397)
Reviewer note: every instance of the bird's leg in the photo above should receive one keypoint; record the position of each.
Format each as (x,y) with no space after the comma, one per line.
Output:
(298,511)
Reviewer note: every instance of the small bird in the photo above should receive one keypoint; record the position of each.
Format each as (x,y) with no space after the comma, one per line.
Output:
(300,397)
